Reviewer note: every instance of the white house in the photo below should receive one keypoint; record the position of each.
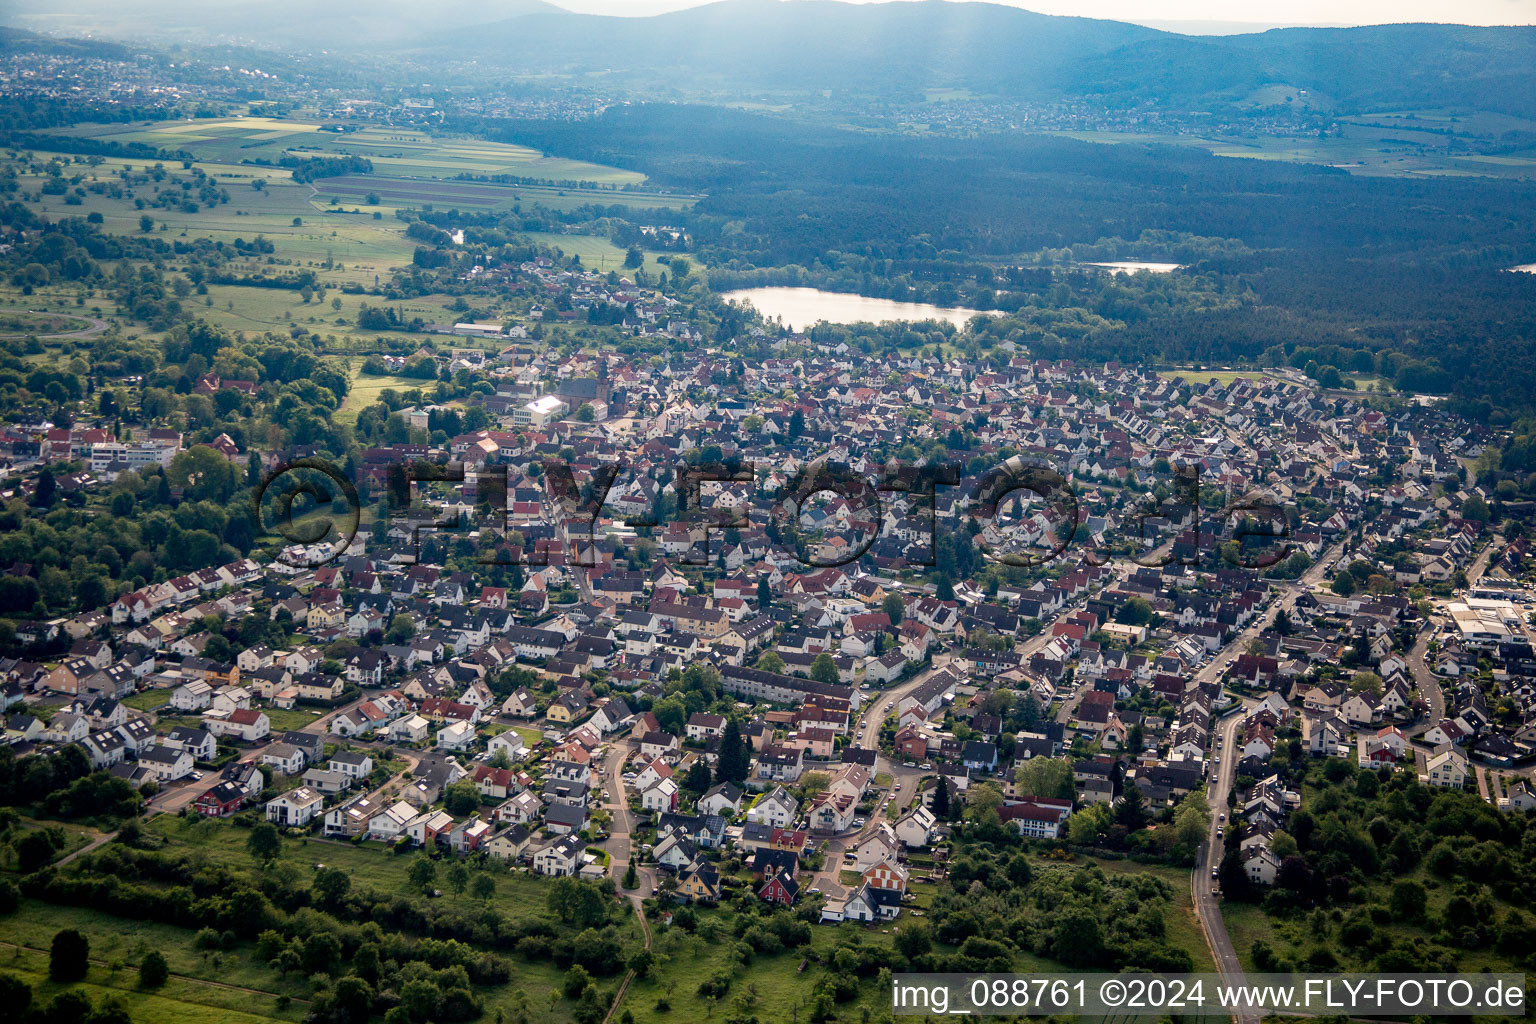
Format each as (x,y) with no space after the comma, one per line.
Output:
(166,764)
(456,736)
(411,729)
(295,808)
(511,743)
(776,808)
(563,857)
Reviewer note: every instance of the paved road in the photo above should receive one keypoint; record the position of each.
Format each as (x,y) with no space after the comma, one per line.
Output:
(96,326)
(621,829)
(1427,682)
(1207,904)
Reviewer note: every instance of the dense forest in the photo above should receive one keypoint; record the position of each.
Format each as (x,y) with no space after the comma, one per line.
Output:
(1404,277)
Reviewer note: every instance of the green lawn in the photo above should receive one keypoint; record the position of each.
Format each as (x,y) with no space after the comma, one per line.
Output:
(285,720)
(148,700)
(365,389)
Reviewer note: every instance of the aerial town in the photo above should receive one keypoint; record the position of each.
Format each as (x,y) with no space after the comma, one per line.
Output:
(562,523)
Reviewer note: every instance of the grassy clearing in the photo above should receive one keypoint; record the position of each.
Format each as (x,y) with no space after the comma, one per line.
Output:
(366,388)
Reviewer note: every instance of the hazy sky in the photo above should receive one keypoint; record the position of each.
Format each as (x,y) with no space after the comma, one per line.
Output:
(1221,15)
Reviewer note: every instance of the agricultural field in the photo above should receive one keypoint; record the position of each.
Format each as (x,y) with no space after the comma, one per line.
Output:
(388,192)
(394,151)
(269,223)
(1392,144)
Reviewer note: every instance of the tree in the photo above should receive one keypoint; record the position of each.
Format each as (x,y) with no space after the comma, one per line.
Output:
(146,223)
(631,878)
(35,849)
(458,877)
(1409,900)
(764,594)
(824,669)
(894,608)
(153,970)
(1131,811)
(940,808)
(913,939)
(331,886)
(352,1000)
(264,843)
(697,779)
(814,783)
(634,258)
(733,761)
(1343,584)
(422,872)
(69,956)
(46,491)
(401,628)
(1135,612)
(1077,940)
(576,981)
(1192,819)
(1047,777)
(322,951)
(642,962)
(461,798)
(982,801)
(15,996)
(771,662)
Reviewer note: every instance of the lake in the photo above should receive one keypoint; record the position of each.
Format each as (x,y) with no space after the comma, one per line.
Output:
(802,307)
(1132,266)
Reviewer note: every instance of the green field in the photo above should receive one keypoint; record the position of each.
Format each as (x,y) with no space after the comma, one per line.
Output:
(1392,144)
(396,151)
(597,253)
(1204,376)
(365,391)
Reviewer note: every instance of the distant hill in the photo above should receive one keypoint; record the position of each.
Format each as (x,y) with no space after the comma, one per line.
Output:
(738,48)
(989,49)
(332,24)
(1350,69)
(808,45)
